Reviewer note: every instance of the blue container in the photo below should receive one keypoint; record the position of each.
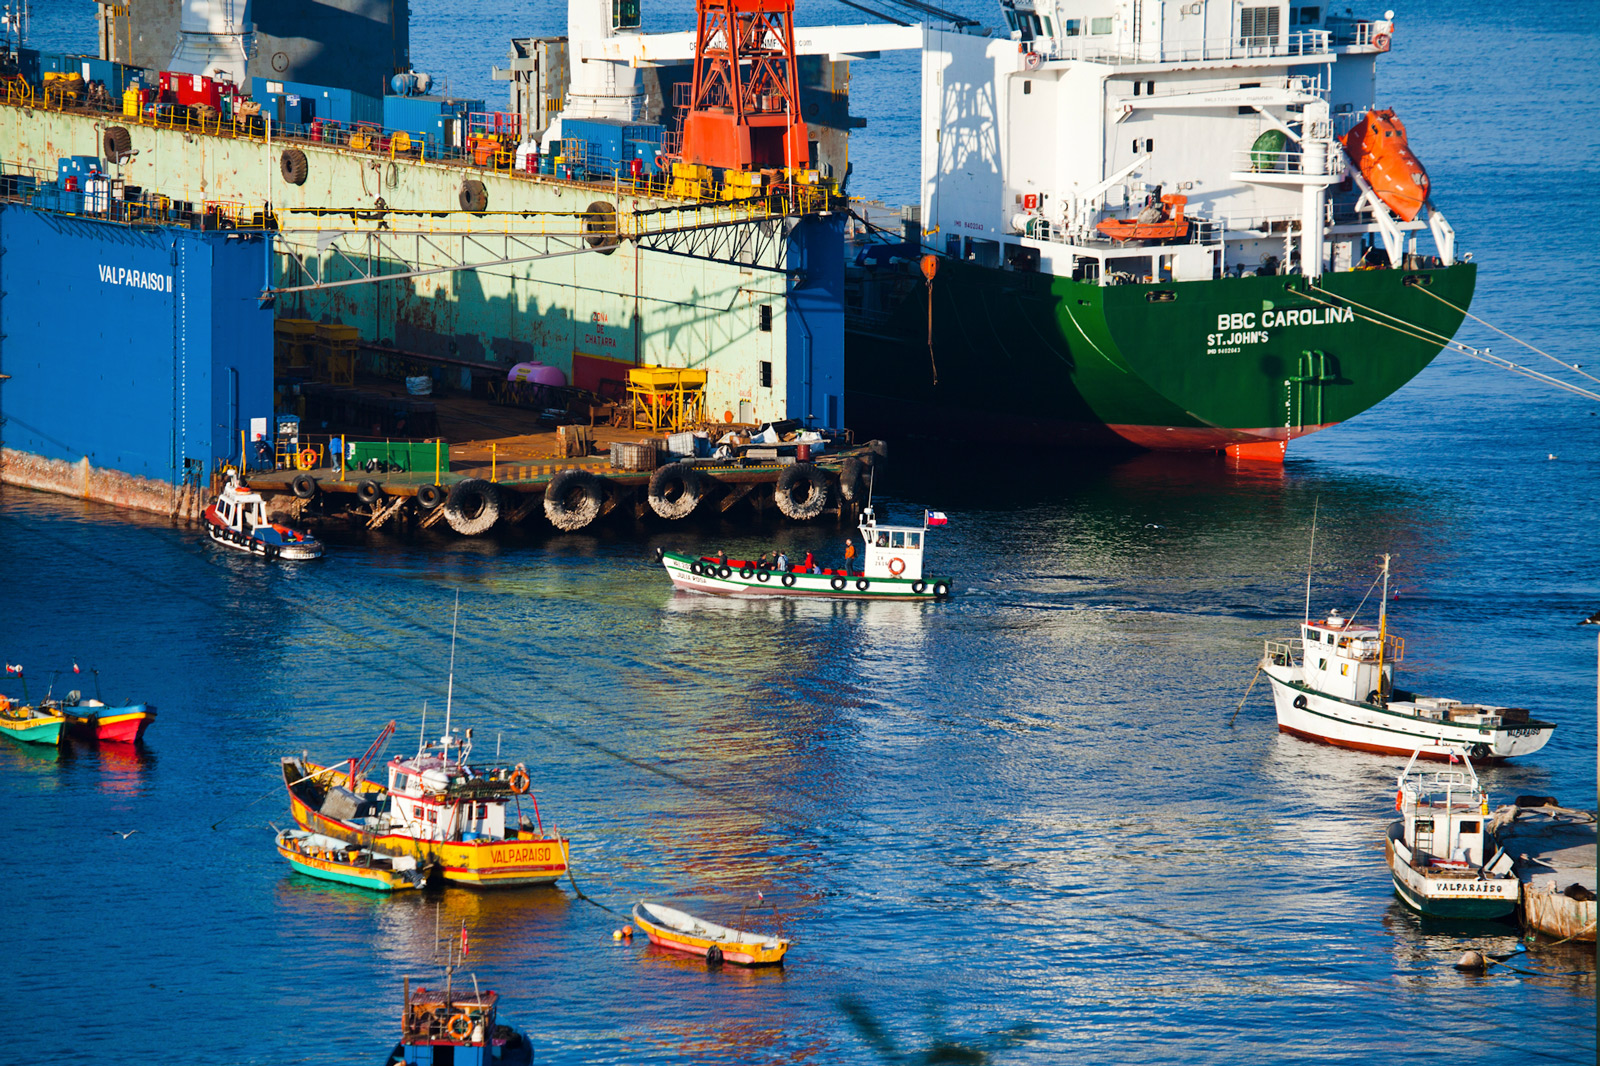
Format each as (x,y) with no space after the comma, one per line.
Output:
(143,348)
(320,101)
(439,121)
(115,76)
(613,145)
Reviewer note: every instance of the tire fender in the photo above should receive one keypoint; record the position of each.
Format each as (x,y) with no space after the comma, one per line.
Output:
(676,490)
(801,492)
(573,500)
(472,507)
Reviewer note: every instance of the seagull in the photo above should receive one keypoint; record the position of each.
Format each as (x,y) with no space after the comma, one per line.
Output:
(1552,455)
(123,835)
(1592,620)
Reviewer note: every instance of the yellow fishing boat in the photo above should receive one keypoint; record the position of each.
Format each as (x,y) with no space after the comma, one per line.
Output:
(334,860)
(677,931)
(31,725)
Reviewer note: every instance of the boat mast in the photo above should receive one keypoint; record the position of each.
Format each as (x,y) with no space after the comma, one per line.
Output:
(1383,619)
(450,685)
(1310,555)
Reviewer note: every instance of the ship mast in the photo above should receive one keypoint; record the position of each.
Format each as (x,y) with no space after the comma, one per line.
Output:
(1383,620)
(450,685)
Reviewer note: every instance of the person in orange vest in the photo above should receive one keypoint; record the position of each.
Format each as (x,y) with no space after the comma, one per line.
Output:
(849,556)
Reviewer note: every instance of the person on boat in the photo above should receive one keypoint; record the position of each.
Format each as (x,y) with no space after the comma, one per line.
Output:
(720,558)
(809,566)
(883,540)
(782,562)
(849,557)
(763,563)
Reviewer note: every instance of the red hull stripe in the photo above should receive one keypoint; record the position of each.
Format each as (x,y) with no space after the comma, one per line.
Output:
(1377,749)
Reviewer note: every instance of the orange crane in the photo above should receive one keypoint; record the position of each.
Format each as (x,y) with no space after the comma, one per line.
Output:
(744,103)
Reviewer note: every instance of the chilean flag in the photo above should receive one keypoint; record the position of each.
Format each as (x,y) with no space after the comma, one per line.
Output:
(936,518)
(75,669)
(13,669)
(466,949)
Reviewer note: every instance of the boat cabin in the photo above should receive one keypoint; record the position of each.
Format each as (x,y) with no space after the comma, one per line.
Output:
(241,509)
(1347,662)
(1446,816)
(891,551)
(432,798)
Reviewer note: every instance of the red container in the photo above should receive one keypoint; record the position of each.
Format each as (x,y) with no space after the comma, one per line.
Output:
(190,89)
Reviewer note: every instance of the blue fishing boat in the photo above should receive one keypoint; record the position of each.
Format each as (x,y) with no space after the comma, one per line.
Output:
(440,1027)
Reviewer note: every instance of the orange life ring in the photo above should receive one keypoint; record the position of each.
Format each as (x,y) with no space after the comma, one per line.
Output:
(519,780)
(5,703)
(897,566)
(1380,41)
(1398,793)
(459,1026)
(307,458)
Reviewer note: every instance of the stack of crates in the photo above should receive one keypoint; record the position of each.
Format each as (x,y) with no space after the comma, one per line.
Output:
(336,354)
(293,339)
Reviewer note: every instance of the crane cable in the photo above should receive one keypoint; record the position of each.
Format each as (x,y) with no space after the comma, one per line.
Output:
(1422,333)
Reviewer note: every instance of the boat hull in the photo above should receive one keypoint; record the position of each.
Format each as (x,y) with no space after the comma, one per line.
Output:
(1452,899)
(43,730)
(1186,366)
(371,878)
(1310,715)
(689,573)
(242,542)
(743,953)
(118,725)
(479,863)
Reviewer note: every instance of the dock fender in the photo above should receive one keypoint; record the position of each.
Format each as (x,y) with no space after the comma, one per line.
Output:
(802,492)
(676,490)
(837,584)
(713,956)
(292,164)
(1300,702)
(941,589)
(917,587)
(304,486)
(573,500)
(369,491)
(788,581)
(852,479)
(474,197)
(472,507)
(430,496)
(118,144)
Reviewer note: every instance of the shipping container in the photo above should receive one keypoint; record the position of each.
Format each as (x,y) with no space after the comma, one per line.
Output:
(142,350)
(438,120)
(602,147)
(116,77)
(320,101)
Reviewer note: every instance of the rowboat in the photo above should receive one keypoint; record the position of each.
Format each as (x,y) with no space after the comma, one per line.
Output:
(30,725)
(334,860)
(93,720)
(677,931)
(1335,684)
(1439,851)
(891,569)
(442,1027)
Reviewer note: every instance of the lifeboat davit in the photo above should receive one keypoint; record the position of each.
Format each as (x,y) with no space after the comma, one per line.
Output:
(1379,150)
(1171,227)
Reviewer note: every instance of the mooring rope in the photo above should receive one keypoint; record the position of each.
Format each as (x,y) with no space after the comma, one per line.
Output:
(1422,333)
(1570,366)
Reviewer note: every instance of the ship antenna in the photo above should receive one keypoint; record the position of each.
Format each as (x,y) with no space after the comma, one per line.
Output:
(422,738)
(1383,620)
(450,686)
(1310,555)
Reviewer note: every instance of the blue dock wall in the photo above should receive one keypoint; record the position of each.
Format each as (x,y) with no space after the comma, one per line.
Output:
(815,324)
(141,349)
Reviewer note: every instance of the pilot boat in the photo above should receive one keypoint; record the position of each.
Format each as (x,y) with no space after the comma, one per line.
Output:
(1436,850)
(891,569)
(678,931)
(1335,684)
(329,859)
(238,520)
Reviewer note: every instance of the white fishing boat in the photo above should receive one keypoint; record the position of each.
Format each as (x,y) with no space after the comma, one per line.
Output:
(1437,849)
(1335,684)
(238,520)
(892,569)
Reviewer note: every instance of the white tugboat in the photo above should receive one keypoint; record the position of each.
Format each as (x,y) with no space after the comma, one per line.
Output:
(1335,684)
(238,520)
(1437,849)
(891,569)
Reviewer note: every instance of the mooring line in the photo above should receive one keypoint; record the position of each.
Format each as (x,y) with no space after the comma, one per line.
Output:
(1572,367)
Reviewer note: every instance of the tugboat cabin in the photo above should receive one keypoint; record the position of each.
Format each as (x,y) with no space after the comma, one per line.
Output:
(242,509)
(1349,663)
(892,551)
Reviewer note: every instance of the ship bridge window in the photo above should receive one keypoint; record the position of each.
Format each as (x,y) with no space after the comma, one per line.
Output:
(1100,27)
(914,540)
(1011,18)
(1310,16)
(1071,27)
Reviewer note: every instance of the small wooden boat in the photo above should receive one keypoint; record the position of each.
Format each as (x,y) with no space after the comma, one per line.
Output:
(238,519)
(677,931)
(1378,149)
(1437,850)
(891,569)
(1172,227)
(334,860)
(446,1027)
(93,720)
(30,725)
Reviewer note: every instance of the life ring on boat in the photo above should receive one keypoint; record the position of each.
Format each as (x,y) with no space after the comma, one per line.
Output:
(917,587)
(459,1026)
(1398,795)
(1380,41)
(5,704)
(1300,703)
(862,585)
(1033,60)
(895,563)
(307,459)
(518,782)
(788,581)
(747,572)
(837,583)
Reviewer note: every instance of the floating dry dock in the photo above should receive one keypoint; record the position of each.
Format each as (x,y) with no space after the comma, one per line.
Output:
(1554,851)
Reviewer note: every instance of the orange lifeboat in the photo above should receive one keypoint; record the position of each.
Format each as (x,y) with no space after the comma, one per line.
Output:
(1378,149)
(1171,227)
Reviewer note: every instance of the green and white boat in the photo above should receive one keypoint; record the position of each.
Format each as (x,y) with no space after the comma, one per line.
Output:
(891,569)
(29,724)
(1436,850)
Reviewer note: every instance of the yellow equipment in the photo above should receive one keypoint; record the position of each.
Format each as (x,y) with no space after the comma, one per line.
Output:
(666,399)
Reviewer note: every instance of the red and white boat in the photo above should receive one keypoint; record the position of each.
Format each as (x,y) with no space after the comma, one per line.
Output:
(238,519)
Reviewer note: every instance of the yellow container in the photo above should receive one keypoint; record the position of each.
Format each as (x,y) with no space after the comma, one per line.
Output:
(130,103)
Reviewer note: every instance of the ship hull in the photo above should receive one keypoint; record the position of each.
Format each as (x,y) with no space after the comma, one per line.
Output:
(1182,366)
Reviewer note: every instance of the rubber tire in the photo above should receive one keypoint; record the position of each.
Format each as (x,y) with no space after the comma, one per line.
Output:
(369,492)
(838,584)
(690,493)
(713,956)
(724,572)
(474,197)
(117,142)
(788,581)
(863,584)
(763,575)
(852,480)
(696,569)
(430,497)
(1300,703)
(941,589)
(1479,751)
(747,572)
(815,499)
(473,506)
(600,227)
(304,486)
(293,166)
(559,507)
(917,587)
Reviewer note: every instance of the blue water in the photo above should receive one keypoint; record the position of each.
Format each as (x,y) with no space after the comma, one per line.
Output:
(1017,818)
